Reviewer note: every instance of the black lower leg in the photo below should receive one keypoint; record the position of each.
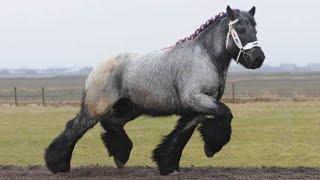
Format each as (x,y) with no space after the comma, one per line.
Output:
(59,152)
(117,143)
(115,138)
(215,133)
(168,153)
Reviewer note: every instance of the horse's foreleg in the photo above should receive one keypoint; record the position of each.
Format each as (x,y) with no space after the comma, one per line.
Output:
(59,152)
(204,104)
(167,154)
(115,138)
(215,133)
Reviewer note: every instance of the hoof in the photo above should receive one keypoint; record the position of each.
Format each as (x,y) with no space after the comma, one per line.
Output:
(58,167)
(175,172)
(165,172)
(169,171)
(58,155)
(208,152)
(165,162)
(118,163)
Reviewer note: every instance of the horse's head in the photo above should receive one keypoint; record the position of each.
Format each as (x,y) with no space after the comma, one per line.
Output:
(242,42)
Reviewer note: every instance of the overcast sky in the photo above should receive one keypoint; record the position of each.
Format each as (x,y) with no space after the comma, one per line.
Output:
(43,33)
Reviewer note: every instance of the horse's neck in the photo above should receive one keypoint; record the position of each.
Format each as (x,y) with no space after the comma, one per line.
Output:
(213,40)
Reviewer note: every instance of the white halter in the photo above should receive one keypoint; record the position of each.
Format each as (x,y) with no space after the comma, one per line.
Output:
(237,40)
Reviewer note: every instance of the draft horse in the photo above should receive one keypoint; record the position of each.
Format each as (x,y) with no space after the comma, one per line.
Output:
(187,79)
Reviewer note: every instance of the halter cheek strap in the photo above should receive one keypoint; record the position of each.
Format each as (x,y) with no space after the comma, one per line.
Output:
(237,40)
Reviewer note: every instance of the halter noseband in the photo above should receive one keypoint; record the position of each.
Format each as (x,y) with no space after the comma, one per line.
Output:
(237,40)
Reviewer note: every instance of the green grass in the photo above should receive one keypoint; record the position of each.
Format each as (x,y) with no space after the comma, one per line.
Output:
(282,134)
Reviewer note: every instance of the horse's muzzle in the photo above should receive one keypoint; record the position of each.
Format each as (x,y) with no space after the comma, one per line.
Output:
(259,59)
(254,58)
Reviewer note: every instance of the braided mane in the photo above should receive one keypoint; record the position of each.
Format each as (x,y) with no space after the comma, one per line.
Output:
(202,28)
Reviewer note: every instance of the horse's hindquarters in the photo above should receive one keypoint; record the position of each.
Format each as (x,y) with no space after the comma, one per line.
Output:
(103,86)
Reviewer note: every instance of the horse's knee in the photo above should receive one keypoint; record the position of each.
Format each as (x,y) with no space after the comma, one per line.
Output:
(223,112)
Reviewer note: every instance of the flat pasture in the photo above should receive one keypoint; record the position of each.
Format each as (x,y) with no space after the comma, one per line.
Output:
(274,136)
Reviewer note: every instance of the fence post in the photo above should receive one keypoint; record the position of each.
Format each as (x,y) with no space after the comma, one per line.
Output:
(43,100)
(233,96)
(15,96)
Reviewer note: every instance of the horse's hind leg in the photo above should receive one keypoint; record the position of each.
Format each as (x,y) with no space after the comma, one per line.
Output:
(115,138)
(167,154)
(59,152)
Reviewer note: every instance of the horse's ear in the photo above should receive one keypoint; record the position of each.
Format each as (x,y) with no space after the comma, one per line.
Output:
(231,13)
(252,11)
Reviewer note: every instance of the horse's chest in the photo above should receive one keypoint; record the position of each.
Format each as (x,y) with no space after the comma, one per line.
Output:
(216,89)
(221,87)
(220,91)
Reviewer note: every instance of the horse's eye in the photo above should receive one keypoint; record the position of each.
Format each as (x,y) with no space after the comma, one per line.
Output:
(242,30)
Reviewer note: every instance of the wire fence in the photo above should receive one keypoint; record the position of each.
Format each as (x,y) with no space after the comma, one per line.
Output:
(235,91)
(44,96)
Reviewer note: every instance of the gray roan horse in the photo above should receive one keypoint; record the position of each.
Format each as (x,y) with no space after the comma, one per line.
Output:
(186,80)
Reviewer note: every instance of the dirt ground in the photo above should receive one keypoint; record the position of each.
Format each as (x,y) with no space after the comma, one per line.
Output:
(132,173)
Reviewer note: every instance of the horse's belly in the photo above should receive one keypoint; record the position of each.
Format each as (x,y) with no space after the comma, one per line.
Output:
(161,101)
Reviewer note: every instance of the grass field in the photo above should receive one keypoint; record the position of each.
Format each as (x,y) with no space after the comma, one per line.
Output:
(284,134)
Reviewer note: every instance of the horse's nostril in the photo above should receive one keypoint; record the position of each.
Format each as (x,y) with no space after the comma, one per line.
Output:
(258,59)
(258,62)
(245,55)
